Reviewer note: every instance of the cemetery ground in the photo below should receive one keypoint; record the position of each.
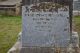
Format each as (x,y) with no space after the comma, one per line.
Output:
(10,26)
(76,25)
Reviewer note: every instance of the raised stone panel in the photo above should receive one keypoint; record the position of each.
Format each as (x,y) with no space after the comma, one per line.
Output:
(46,27)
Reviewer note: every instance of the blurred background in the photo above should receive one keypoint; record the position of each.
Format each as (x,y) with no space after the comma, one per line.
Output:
(10,22)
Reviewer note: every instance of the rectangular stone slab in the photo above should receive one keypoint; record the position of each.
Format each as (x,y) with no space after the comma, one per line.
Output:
(37,50)
(45,27)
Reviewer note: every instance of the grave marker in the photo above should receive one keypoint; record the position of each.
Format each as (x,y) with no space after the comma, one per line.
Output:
(46,23)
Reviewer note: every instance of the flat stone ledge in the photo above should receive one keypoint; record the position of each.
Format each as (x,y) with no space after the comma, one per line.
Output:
(15,48)
(76,13)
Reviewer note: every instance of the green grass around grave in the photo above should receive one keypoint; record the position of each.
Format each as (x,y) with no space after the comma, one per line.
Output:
(76,22)
(9,28)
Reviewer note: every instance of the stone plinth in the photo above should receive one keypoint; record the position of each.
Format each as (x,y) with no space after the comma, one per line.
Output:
(17,48)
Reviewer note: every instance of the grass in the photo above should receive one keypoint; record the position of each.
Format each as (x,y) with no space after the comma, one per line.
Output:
(10,26)
(76,23)
(9,29)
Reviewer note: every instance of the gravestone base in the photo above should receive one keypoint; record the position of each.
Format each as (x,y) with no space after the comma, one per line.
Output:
(43,50)
(37,50)
(17,48)
(49,50)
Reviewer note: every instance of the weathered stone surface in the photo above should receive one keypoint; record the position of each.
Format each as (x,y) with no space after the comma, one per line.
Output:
(46,25)
(46,28)
(37,50)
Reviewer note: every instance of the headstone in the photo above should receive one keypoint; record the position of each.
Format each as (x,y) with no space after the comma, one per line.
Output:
(76,5)
(46,24)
